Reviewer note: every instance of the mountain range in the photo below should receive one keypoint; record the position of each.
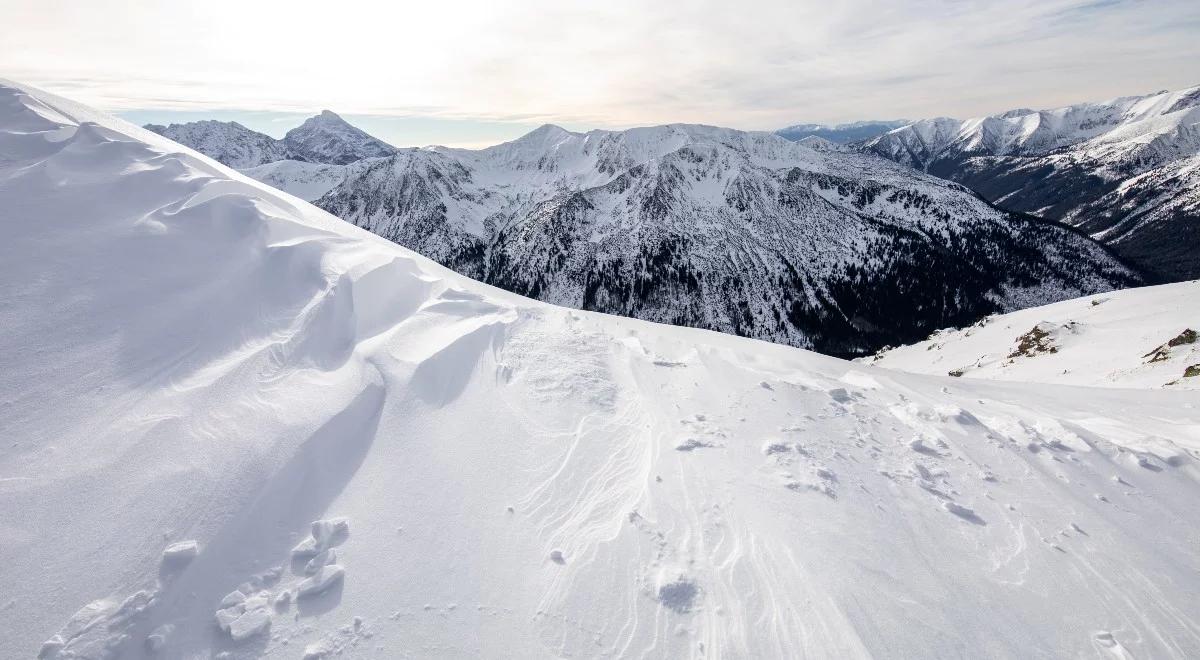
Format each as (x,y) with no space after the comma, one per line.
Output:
(1126,171)
(856,131)
(238,427)
(741,232)
(324,138)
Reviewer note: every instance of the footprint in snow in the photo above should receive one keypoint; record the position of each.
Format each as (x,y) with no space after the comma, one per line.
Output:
(964,512)
(692,444)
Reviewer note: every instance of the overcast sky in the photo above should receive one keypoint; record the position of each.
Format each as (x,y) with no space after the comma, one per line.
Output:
(481,71)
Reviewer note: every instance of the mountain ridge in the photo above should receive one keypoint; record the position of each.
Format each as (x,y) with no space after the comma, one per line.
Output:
(844,133)
(674,223)
(1122,169)
(744,232)
(324,138)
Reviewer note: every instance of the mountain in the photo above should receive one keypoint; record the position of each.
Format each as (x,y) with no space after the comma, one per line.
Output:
(323,139)
(1145,337)
(745,233)
(840,133)
(322,464)
(1122,170)
(327,138)
(226,142)
(818,143)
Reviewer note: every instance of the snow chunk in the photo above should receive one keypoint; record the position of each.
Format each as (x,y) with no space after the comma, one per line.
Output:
(179,554)
(324,534)
(320,581)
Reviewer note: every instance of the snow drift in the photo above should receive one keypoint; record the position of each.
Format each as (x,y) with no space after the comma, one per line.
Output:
(235,426)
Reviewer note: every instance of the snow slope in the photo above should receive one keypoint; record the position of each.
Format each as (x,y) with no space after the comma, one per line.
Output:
(308,181)
(1108,340)
(1121,170)
(197,368)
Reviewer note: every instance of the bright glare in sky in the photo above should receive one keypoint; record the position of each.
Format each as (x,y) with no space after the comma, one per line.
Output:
(478,69)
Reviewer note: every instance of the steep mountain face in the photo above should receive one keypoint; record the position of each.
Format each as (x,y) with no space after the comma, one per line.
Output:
(226,142)
(322,465)
(745,233)
(1121,170)
(840,133)
(327,138)
(323,139)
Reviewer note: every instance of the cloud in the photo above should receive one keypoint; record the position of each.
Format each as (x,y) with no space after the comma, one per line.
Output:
(623,62)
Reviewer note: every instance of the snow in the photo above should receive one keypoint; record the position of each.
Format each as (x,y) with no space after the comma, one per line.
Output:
(1106,340)
(308,181)
(191,355)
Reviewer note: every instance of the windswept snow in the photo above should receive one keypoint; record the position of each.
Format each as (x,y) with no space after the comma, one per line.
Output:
(189,355)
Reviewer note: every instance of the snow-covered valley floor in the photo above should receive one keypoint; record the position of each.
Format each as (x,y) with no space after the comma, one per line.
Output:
(188,356)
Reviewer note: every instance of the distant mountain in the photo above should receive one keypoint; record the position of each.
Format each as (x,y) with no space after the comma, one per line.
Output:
(226,142)
(325,138)
(840,133)
(746,233)
(1124,170)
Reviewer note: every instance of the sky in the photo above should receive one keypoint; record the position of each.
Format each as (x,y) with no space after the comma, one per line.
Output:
(477,72)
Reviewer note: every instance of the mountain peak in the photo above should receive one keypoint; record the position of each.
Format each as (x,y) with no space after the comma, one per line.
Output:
(327,138)
(547,131)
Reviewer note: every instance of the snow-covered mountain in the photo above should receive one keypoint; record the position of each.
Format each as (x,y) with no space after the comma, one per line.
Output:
(746,233)
(1122,170)
(1145,337)
(323,139)
(327,138)
(226,142)
(237,427)
(841,133)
